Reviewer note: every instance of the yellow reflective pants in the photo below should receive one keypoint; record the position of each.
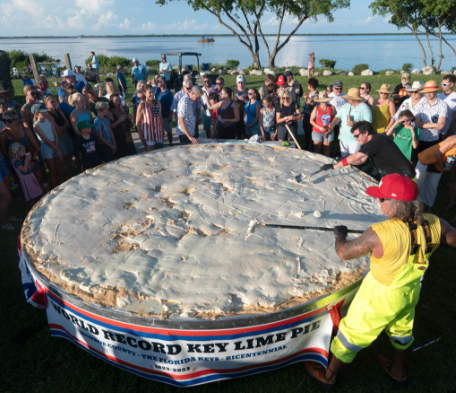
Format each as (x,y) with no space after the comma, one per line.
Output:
(377,307)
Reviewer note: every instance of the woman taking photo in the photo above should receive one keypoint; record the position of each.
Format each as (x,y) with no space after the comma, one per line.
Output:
(227,113)
(287,116)
(121,124)
(80,112)
(16,132)
(364,91)
(383,110)
(63,128)
(252,114)
(321,117)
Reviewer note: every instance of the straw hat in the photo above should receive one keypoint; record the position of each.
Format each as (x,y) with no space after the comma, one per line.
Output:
(416,86)
(353,94)
(385,89)
(323,97)
(430,87)
(5,92)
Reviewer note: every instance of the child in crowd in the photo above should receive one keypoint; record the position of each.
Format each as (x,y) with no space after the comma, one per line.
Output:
(104,133)
(149,121)
(213,99)
(406,136)
(135,100)
(21,164)
(268,126)
(49,138)
(86,145)
(141,97)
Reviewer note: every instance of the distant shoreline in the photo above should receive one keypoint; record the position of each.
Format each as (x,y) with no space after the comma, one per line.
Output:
(210,35)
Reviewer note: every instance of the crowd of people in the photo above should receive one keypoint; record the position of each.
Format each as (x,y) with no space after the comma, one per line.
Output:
(388,134)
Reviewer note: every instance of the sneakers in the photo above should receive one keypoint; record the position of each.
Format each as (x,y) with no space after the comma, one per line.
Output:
(317,371)
(7,227)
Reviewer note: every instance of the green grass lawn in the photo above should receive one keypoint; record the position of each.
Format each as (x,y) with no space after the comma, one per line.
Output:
(32,361)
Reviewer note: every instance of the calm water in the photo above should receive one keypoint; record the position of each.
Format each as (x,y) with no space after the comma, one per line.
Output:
(380,52)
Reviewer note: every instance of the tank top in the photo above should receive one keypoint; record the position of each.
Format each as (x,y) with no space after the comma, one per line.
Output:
(23,141)
(268,117)
(151,125)
(395,237)
(288,111)
(83,116)
(380,117)
(250,110)
(323,118)
(218,116)
(46,129)
(58,118)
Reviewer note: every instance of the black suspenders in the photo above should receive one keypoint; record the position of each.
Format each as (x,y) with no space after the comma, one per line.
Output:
(427,233)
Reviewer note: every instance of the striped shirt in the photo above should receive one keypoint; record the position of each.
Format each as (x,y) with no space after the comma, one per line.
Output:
(151,124)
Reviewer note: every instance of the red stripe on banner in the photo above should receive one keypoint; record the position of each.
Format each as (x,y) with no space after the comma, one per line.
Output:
(193,333)
(198,373)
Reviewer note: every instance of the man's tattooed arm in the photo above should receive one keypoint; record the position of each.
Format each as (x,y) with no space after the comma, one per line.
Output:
(358,247)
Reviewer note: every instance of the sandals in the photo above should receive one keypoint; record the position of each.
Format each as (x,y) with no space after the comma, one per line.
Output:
(385,363)
(317,371)
(449,207)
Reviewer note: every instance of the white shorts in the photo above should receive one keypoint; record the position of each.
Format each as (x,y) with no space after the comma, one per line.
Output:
(427,182)
(153,143)
(348,148)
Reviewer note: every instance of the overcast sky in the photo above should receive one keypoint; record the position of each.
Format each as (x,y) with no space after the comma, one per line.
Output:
(114,17)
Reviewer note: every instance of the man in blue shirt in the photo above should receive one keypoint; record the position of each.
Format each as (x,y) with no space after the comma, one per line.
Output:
(138,72)
(165,69)
(165,98)
(68,76)
(94,62)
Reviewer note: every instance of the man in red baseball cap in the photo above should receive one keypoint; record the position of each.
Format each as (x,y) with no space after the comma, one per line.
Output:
(400,248)
(282,83)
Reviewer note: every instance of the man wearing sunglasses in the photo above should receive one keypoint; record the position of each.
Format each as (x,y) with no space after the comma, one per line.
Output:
(206,114)
(219,84)
(32,95)
(399,248)
(384,154)
(449,97)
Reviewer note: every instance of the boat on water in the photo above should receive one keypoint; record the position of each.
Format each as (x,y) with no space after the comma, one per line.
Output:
(206,39)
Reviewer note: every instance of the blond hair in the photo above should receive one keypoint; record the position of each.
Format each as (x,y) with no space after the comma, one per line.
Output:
(111,88)
(101,106)
(41,79)
(14,150)
(140,85)
(11,112)
(49,98)
(29,88)
(74,97)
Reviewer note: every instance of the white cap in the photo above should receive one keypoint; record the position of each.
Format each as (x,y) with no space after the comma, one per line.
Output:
(135,60)
(67,73)
(240,78)
(119,67)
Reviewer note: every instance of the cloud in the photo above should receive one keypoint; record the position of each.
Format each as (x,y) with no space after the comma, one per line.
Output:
(178,26)
(388,19)
(93,6)
(288,20)
(106,20)
(125,25)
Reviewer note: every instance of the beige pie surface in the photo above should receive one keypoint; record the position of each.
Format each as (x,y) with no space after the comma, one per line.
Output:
(165,232)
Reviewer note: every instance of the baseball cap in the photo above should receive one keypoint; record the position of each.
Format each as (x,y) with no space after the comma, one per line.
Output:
(280,80)
(83,124)
(36,108)
(405,75)
(67,73)
(163,56)
(287,73)
(338,84)
(135,60)
(395,186)
(77,67)
(240,78)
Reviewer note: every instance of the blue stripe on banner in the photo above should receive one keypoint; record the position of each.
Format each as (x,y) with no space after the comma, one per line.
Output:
(210,337)
(199,380)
